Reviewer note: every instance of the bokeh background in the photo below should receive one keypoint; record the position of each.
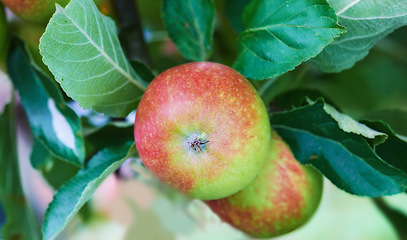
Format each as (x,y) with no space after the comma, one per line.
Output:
(130,204)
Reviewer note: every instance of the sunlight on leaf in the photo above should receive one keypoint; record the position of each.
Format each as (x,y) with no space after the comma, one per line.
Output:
(81,48)
(343,157)
(349,125)
(51,120)
(367,22)
(281,34)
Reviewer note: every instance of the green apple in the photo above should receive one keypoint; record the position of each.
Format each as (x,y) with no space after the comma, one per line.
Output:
(30,33)
(283,196)
(202,128)
(39,11)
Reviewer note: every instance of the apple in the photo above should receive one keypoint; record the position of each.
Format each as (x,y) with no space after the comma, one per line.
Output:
(282,198)
(39,11)
(31,34)
(106,7)
(202,128)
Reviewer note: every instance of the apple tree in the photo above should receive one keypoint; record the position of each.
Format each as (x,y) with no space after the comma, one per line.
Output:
(293,91)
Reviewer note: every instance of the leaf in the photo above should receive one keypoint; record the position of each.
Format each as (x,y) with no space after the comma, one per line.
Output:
(298,97)
(111,134)
(53,170)
(51,120)
(190,25)
(19,222)
(81,48)
(143,71)
(347,124)
(394,149)
(367,22)
(41,158)
(377,83)
(234,10)
(343,157)
(2,217)
(396,118)
(281,34)
(78,190)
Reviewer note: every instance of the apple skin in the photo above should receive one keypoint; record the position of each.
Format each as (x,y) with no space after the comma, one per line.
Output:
(282,198)
(38,11)
(31,34)
(211,102)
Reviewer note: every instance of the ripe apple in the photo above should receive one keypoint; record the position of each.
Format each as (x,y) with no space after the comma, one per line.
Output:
(202,128)
(39,11)
(283,196)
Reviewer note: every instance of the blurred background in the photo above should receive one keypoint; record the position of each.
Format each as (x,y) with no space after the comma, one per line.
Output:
(130,204)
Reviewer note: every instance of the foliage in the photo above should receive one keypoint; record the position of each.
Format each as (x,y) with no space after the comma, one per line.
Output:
(339,107)
(18,219)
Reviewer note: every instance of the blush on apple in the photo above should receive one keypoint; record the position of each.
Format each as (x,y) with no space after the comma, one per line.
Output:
(39,11)
(282,198)
(202,128)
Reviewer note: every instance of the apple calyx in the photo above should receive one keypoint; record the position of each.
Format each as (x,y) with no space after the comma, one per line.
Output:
(198,143)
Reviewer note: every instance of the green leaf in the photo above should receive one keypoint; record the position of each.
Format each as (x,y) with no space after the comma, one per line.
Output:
(51,120)
(81,48)
(367,22)
(281,34)
(2,217)
(377,83)
(143,71)
(396,118)
(394,149)
(19,222)
(190,25)
(112,134)
(298,97)
(41,158)
(347,124)
(345,158)
(234,11)
(54,170)
(77,191)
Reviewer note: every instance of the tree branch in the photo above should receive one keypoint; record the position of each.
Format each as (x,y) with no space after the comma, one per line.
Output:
(131,32)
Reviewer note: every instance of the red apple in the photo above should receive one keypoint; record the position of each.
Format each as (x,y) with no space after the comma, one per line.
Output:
(202,128)
(39,11)
(283,196)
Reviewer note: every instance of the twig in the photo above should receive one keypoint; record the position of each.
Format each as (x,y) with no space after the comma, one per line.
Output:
(131,31)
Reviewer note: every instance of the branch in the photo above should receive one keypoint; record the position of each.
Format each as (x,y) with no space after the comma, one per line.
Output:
(131,32)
